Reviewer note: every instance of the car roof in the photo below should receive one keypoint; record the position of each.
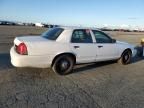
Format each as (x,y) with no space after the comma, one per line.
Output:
(73,28)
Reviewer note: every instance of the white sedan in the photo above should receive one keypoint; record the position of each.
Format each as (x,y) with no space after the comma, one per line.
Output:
(61,48)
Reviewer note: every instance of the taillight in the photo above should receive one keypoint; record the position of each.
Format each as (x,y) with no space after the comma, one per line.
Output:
(21,49)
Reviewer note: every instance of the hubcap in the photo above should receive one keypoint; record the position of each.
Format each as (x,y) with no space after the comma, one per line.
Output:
(126,57)
(64,65)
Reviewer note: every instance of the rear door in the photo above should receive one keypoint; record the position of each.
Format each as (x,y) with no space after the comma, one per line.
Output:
(106,48)
(82,45)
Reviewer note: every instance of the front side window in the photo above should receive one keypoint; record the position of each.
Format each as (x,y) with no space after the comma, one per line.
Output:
(101,37)
(81,36)
(53,34)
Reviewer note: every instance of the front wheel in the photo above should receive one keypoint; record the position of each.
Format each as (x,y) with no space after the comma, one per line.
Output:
(125,58)
(63,65)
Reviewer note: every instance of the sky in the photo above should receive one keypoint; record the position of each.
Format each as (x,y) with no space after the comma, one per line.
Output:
(75,12)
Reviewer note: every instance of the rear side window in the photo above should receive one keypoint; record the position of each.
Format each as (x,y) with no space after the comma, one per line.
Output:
(53,34)
(81,36)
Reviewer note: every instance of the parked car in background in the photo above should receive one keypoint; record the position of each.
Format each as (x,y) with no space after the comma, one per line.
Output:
(63,47)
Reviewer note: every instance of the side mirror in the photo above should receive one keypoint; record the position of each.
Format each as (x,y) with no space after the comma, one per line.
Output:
(113,40)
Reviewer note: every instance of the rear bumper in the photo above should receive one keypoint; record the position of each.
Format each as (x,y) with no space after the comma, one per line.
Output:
(18,60)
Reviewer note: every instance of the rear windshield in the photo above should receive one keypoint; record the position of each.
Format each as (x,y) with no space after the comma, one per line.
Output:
(52,34)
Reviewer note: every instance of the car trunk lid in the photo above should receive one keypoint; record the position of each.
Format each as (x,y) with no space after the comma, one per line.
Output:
(29,39)
(36,45)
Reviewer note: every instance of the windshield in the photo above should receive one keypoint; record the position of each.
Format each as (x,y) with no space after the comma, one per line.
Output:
(52,34)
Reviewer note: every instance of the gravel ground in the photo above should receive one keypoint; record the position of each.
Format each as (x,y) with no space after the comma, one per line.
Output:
(99,85)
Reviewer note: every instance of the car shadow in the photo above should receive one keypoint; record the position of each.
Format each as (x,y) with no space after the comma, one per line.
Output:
(85,67)
(137,59)
(5,61)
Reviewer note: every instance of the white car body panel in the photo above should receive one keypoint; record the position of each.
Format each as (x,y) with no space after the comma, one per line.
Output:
(109,51)
(29,61)
(42,51)
(85,52)
(38,45)
(123,45)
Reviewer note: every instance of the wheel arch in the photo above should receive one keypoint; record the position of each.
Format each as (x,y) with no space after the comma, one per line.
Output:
(127,49)
(66,53)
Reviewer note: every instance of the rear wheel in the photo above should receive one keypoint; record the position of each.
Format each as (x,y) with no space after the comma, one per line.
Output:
(63,64)
(125,58)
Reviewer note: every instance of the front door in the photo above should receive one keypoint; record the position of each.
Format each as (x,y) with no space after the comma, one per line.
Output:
(106,48)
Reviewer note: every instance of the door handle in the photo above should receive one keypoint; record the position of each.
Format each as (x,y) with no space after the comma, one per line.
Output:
(100,46)
(76,47)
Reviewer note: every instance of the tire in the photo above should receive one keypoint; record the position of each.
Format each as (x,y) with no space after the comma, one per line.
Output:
(125,58)
(63,65)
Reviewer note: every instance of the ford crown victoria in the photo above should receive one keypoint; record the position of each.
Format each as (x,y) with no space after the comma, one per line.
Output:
(63,47)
